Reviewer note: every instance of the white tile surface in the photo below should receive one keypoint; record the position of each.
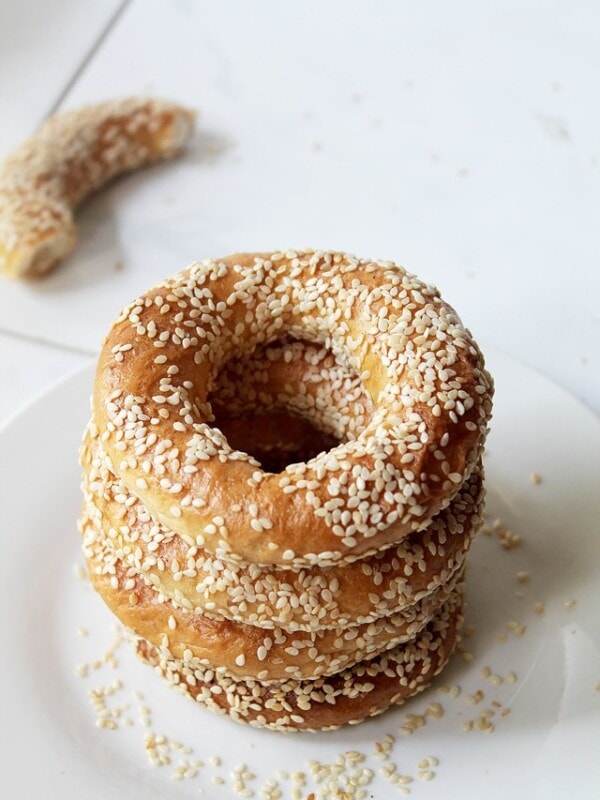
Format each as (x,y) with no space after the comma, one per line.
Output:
(459,139)
(42,44)
(27,369)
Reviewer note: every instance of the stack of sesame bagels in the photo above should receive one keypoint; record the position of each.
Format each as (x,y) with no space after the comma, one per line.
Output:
(282,478)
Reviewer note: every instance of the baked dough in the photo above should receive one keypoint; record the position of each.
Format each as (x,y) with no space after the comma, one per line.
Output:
(309,599)
(72,154)
(347,698)
(421,368)
(282,478)
(243,650)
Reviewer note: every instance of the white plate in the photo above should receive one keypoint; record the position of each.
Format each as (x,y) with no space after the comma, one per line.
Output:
(546,747)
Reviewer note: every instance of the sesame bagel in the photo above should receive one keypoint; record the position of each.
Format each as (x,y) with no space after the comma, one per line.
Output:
(241,650)
(71,155)
(421,369)
(362,691)
(310,599)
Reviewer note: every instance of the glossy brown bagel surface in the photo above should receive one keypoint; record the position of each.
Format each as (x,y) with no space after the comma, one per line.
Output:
(420,367)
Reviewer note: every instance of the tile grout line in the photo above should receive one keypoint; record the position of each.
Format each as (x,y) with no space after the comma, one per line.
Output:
(39,340)
(89,56)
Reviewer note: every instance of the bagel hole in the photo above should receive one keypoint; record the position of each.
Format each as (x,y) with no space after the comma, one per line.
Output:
(259,402)
(276,439)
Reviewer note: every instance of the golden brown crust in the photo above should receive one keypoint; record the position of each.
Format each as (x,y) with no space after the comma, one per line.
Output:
(309,599)
(71,155)
(300,595)
(349,697)
(420,367)
(243,650)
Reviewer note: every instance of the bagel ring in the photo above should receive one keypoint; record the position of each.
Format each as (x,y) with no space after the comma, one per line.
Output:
(245,651)
(421,368)
(71,155)
(365,690)
(308,600)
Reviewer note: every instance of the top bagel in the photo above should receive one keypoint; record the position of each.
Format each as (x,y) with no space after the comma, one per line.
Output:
(421,369)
